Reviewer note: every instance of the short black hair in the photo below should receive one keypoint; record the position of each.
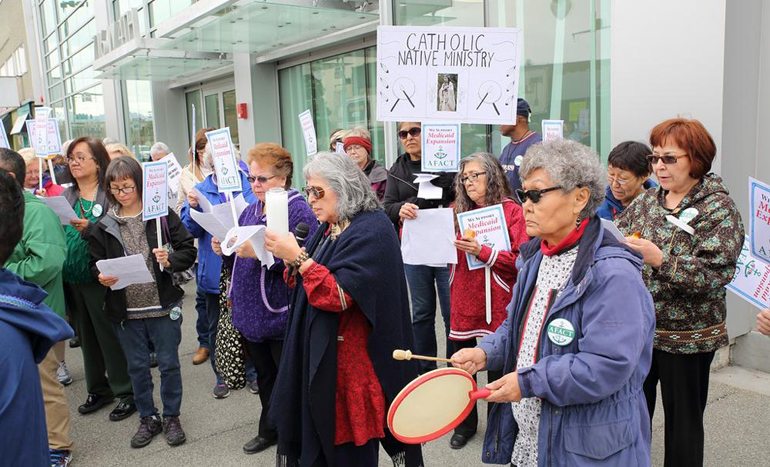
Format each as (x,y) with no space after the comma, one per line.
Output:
(12,207)
(631,156)
(12,162)
(119,169)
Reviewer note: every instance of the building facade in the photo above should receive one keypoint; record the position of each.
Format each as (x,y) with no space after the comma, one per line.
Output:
(134,70)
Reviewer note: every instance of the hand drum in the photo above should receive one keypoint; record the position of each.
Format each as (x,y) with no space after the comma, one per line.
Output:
(432,405)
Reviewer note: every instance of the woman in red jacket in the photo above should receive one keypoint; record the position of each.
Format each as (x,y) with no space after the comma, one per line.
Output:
(481,182)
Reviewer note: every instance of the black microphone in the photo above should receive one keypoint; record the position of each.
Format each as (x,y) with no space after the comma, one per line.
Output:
(300,233)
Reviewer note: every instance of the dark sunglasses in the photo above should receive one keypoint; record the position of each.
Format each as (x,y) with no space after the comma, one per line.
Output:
(316,191)
(259,179)
(534,195)
(414,132)
(668,160)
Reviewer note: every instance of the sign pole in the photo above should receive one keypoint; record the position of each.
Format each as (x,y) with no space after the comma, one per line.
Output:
(160,238)
(488,293)
(229,195)
(40,167)
(50,169)
(192,146)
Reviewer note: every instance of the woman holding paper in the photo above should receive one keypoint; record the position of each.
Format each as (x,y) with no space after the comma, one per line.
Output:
(577,343)
(149,312)
(481,182)
(88,161)
(259,294)
(691,235)
(349,312)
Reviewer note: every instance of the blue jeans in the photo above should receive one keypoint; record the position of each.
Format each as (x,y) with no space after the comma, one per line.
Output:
(202,323)
(423,283)
(212,314)
(134,336)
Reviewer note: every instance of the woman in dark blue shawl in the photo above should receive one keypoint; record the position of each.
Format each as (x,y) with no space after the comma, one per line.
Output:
(350,311)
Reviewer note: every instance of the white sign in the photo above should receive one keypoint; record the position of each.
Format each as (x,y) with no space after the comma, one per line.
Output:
(751,281)
(490,229)
(155,191)
(308,131)
(4,142)
(19,123)
(40,138)
(552,130)
(468,75)
(174,173)
(440,147)
(429,239)
(221,146)
(339,148)
(54,137)
(759,221)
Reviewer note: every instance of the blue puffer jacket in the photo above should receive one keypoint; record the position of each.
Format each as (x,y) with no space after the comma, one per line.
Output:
(594,411)
(209,263)
(611,208)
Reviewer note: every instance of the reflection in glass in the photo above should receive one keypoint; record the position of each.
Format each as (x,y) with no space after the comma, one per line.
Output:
(231,115)
(86,113)
(212,110)
(138,103)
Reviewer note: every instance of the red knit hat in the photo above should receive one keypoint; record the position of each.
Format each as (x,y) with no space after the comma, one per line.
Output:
(351,140)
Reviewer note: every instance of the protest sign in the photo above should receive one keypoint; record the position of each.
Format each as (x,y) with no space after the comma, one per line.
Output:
(4,142)
(490,228)
(759,219)
(174,174)
(155,191)
(54,137)
(221,147)
(751,281)
(440,147)
(468,75)
(552,130)
(308,131)
(18,124)
(40,138)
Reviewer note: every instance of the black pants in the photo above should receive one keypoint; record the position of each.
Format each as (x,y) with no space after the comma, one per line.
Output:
(468,427)
(350,455)
(684,386)
(266,357)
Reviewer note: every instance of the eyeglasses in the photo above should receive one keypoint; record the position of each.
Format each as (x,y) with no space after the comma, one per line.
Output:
(617,180)
(316,191)
(471,177)
(534,195)
(261,179)
(125,190)
(79,159)
(353,148)
(414,132)
(668,159)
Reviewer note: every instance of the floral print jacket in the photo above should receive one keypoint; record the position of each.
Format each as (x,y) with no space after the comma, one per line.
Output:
(689,286)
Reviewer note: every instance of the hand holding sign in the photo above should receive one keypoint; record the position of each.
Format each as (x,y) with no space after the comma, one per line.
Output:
(155,200)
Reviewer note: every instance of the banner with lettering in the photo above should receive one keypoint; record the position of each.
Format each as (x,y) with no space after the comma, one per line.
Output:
(155,192)
(225,165)
(759,219)
(488,225)
(54,138)
(751,281)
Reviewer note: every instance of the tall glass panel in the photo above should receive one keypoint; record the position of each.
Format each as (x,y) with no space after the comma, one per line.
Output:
(439,12)
(86,113)
(138,103)
(295,94)
(212,110)
(231,115)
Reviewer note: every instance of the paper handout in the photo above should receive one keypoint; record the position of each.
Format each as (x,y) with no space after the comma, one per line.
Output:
(610,227)
(203,202)
(427,190)
(210,223)
(61,207)
(129,270)
(252,233)
(429,239)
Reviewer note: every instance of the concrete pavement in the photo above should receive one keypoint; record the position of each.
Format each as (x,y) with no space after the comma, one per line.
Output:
(737,421)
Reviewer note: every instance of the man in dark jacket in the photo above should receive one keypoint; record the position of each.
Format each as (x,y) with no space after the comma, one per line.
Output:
(28,330)
(521,140)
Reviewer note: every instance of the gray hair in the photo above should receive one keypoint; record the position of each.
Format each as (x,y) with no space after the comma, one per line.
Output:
(159,148)
(498,187)
(347,180)
(570,165)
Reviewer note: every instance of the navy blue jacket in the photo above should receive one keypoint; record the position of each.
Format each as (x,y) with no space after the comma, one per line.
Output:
(611,208)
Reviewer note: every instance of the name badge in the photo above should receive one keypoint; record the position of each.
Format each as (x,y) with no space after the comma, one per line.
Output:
(561,332)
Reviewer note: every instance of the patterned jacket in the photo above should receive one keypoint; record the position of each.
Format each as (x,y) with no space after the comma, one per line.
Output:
(689,286)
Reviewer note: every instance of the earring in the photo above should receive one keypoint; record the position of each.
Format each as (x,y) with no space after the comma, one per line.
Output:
(578,222)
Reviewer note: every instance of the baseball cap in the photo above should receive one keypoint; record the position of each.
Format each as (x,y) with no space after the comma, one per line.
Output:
(522,108)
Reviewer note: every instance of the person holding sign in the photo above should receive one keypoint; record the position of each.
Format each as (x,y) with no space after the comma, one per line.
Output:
(150,312)
(577,343)
(358,145)
(628,172)
(402,202)
(522,138)
(32,178)
(88,161)
(349,312)
(481,183)
(691,237)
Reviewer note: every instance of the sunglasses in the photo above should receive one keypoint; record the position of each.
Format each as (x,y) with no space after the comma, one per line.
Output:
(259,179)
(414,132)
(668,160)
(316,191)
(534,195)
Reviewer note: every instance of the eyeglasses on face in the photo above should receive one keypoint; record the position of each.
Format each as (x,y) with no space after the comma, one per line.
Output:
(78,159)
(354,148)
(471,177)
(316,191)
(618,180)
(413,132)
(126,190)
(667,159)
(261,179)
(534,195)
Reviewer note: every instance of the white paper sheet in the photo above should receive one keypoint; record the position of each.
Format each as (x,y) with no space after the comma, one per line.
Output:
(240,204)
(129,270)
(429,239)
(61,207)
(209,222)
(252,233)
(174,172)
(610,226)
(426,189)
(203,202)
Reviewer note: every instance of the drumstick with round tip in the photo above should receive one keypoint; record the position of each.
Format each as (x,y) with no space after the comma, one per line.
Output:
(408,355)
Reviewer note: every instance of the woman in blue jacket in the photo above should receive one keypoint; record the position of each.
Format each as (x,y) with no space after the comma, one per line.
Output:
(209,263)
(577,344)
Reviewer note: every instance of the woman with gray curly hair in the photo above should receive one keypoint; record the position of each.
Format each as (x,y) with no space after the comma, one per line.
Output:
(349,311)
(481,186)
(577,343)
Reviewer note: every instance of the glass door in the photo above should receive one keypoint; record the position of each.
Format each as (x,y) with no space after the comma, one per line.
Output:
(215,107)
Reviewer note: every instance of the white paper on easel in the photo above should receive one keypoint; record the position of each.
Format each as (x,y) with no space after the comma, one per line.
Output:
(255,234)
(429,239)
(209,223)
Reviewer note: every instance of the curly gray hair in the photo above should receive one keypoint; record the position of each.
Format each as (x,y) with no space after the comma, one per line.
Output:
(497,183)
(570,165)
(347,180)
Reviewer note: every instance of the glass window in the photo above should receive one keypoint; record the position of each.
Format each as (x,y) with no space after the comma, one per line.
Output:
(67,7)
(161,10)
(48,16)
(138,118)
(86,113)
(81,80)
(52,59)
(52,43)
(80,39)
(75,21)
(295,94)
(193,98)
(439,12)
(212,110)
(231,115)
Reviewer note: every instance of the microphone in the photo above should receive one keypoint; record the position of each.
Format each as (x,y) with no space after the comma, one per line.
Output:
(300,233)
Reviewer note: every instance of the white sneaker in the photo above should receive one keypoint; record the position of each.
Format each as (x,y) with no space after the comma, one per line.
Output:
(63,375)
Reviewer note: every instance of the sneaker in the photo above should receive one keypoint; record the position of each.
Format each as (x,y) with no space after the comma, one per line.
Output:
(60,457)
(153,360)
(63,375)
(173,430)
(221,391)
(148,427)
(254,387)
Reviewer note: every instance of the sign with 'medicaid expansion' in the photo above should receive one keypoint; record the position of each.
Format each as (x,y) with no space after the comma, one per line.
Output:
(488,225)
(468,75)
(155,190)
(440,147)
(221,147)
